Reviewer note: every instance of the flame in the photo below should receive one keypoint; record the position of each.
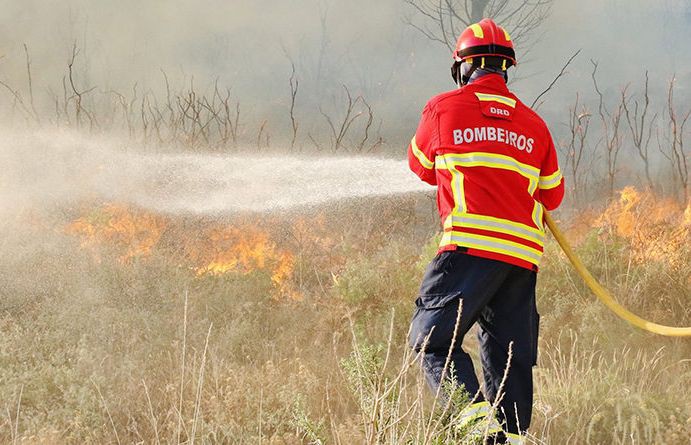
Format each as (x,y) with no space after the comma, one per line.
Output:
(242,248)
(245,249)
(658,229)
(626,218)
(133,234)
(234,249)
(283,271)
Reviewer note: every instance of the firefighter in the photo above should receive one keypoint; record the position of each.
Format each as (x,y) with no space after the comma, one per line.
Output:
(494,164)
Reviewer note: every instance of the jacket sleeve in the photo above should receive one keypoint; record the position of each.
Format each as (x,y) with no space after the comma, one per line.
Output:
(422,148)
(551,183)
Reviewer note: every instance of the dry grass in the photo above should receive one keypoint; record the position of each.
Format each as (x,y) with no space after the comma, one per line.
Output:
(98,349)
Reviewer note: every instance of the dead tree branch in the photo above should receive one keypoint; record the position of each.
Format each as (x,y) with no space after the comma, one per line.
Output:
(31,85)
(294,85)
(77,95)
(576,148)
(443,20)
(611,124)
(18,101)
(366,132)
(339,131)
(260,133)
(676,153)
(641,128)
(561,73)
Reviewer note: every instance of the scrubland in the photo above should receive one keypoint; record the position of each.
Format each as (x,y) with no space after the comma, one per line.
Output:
(123,326)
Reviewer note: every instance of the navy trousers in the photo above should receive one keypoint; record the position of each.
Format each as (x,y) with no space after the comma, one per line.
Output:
(501,298)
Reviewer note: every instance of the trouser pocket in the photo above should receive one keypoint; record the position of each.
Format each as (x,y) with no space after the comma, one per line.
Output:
(433,322)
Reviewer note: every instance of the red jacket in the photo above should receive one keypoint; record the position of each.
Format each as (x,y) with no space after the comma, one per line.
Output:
(493,161)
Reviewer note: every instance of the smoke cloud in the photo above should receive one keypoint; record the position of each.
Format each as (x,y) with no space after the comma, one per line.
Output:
(251,46)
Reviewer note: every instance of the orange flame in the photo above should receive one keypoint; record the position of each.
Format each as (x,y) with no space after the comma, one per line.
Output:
(238,249)
(243,250)
(658,229)
(134,234)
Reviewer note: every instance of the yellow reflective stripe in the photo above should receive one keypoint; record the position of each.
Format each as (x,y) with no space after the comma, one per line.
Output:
(500,225)
(475,411)
(491,244)
(421,156)
(517,225)
(458,191)
(532,186)
(497,245)
(445,239)
(538,214)
(483,97)
(448,222)
(550,181)
(477,30)
(556,174)
(457,187)
(514,439)
(492,160)
(478,420)
(508,37)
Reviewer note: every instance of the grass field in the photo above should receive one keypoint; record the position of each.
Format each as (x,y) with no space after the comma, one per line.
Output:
(121,326)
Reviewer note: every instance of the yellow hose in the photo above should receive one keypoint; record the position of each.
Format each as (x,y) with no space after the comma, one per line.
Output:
(605,296)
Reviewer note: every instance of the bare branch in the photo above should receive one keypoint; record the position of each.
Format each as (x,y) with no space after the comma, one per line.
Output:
(677,155)
(31,85)
(443,20)
(78,95)
(611,137)
(294,85)
(641,131)
(561,73)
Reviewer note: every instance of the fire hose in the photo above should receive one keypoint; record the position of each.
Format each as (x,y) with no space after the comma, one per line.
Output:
(603,295)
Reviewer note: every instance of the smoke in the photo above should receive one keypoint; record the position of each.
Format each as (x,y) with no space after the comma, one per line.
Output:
(249,46)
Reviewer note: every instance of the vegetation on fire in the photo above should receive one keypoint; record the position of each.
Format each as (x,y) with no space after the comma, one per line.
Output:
(120,326)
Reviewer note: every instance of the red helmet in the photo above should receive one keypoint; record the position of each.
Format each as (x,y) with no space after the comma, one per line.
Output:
(484,39)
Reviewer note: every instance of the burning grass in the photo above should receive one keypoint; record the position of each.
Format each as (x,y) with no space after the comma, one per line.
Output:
(122,326)
(115,227)
(240,248)
(655,229)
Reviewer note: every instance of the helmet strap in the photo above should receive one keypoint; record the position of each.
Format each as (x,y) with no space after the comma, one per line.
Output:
(466,70)
(456,73)
(461,72)
(465,78)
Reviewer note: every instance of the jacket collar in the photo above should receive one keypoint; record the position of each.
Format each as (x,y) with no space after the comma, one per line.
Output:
(494,82)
